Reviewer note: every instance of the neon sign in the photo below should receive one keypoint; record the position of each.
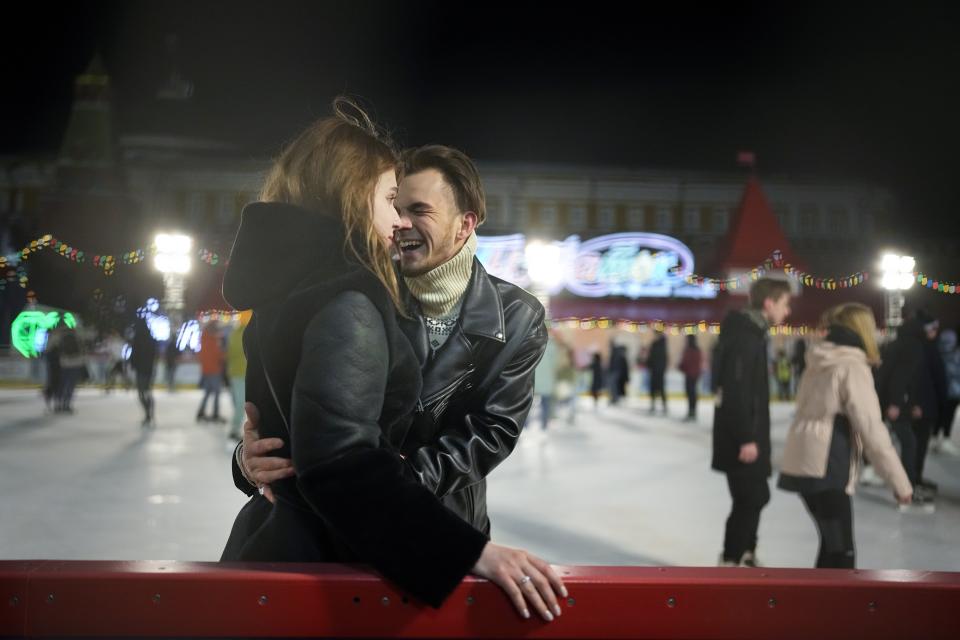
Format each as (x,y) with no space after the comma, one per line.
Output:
(28,333)
(634,265)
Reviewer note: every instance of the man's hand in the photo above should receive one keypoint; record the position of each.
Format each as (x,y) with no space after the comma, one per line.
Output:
(893,413)
(749,453)
(257,466)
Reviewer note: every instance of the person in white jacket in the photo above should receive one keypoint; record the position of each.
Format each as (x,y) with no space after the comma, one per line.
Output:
(837,419)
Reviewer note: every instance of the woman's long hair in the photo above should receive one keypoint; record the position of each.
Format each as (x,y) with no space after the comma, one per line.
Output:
(859,319)
(333,167)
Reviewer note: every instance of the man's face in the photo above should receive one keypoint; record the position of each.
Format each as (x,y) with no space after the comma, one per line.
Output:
(432,227)
(777,311)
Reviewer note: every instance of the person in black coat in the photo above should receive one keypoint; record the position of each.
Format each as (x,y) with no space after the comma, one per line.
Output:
(618,374)
(911,385)
(143,360)
(596,378)
(335,377)
(741,422)
(657,364)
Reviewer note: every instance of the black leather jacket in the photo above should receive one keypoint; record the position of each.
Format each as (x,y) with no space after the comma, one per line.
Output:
(477,392)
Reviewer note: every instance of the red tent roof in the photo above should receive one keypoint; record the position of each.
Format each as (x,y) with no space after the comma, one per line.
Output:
(754,233)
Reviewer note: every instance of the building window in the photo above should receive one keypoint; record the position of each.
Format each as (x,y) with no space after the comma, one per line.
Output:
(606,217)
(636,218)
(576,218)
(226,209)
(809,219)
(691,219)
(721,219)
(522,214)
(839,220)
(548,215)
(663,221)
(494,211)
(784,216)
(196,207)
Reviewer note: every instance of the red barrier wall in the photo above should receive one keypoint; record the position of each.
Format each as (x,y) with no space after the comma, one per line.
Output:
(187,599)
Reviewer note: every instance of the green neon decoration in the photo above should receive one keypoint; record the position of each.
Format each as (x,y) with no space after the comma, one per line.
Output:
(23,331)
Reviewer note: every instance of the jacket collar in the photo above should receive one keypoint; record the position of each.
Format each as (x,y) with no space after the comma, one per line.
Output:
(482,310)
(481,313)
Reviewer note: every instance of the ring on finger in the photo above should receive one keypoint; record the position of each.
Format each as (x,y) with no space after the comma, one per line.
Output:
(524,580)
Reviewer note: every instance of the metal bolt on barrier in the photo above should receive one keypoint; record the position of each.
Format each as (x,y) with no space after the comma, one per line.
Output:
(14,601)
(156,598)
(385,601)
(871,606)
(262,601)
(470,600)
(772,602)
(571,602)
(50,599)
(671,602)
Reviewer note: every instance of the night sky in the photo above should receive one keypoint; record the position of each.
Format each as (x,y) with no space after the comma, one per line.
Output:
(843,93)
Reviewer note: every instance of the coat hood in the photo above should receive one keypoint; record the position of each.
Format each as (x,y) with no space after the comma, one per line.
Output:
(277,246)
(827,355)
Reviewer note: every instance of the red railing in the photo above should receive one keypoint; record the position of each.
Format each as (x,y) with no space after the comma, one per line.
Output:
(195,599)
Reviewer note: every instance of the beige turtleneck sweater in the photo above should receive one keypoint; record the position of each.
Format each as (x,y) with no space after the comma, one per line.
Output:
(440,292)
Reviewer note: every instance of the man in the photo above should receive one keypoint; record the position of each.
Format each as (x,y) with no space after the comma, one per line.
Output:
(741,421)
(477,337)
(910,384)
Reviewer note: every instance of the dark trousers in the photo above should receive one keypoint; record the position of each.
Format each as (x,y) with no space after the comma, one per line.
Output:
(691,384)
(68,384)
(784,386)
(658,389)
(145,393)
(923,428)
(750,494)
(546,407)
(908,448)
(212,384)
(832,513)
(945,423)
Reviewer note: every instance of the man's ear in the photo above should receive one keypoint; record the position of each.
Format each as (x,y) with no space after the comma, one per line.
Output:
(467,225)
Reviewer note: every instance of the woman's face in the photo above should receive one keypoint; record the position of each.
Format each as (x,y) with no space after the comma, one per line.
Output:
(385,218)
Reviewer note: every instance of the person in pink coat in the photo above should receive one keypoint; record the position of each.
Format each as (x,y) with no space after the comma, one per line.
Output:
(837,420)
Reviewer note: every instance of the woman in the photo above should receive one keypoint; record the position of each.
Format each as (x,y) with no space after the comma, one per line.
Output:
(837,419)
(691,365)
(143,360)
(335,377)
(596,379)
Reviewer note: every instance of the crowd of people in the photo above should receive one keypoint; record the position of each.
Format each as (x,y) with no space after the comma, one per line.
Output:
(71,357)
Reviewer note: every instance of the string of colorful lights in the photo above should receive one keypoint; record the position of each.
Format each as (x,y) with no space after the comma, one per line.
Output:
(15,271)
(775,262)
